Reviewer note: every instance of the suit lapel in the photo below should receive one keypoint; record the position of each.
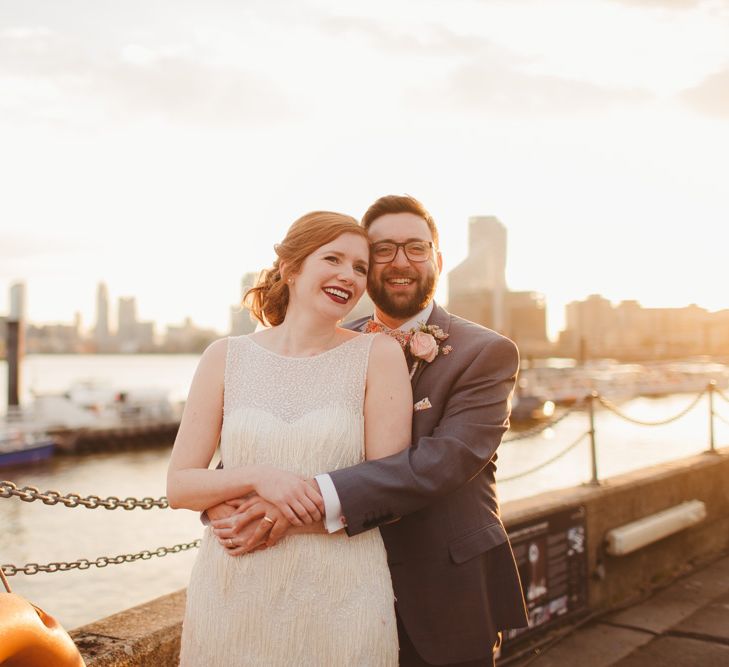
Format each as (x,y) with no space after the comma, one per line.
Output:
(440,318)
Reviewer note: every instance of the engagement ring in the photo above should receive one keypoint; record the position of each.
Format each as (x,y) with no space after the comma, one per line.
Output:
(269,519)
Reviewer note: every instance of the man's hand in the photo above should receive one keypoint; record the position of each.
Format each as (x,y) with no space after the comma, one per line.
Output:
(255,524)
(298,501)
(224,510)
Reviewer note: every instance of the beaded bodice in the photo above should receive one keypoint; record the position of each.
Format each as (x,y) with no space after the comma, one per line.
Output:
(303,414)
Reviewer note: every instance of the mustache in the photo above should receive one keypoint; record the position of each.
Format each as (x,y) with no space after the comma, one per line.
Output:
(399,274)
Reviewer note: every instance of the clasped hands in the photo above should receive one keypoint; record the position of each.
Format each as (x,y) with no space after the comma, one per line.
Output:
(242,525)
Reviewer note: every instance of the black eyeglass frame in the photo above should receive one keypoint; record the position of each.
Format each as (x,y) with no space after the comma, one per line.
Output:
(404,247)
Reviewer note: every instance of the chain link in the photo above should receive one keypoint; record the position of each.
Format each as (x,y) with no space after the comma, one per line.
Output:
(721,418)
(721,394)
(614,409)
(28,494)
(101,561)
(544,464)
(530,433)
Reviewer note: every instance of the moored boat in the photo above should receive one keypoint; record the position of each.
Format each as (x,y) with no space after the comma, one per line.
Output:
(20,447)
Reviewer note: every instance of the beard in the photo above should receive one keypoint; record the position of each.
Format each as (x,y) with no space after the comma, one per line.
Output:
(398,306)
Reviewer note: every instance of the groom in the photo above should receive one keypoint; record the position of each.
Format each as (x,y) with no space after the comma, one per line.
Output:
(453,571)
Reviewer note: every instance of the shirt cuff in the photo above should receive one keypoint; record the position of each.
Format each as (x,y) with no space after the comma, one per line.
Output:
(333,519)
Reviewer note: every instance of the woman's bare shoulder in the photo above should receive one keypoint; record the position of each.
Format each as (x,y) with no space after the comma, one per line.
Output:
(213,358)
(385,351)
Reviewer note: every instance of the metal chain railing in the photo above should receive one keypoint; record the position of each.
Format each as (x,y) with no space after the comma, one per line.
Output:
(544,464)
(711,390)
(720,393)
(614,409)
(29,494)
(530,433)
(102,561)
(721,417)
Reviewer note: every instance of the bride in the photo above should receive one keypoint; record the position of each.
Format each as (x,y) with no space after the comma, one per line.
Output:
(299,397)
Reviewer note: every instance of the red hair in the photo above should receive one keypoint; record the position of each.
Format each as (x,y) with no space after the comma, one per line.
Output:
(269,299)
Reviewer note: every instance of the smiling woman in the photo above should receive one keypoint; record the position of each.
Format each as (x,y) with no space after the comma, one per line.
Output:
(300,397)
(312,233)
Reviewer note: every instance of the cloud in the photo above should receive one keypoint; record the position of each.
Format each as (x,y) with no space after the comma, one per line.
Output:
(46,73)
(481,75)
(661,4)
(482,87)
(15,246)
(431,40)
(23,254)
(711,96)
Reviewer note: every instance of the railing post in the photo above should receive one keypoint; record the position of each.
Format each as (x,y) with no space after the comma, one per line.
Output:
(593,446)
(5,583)
(710,389)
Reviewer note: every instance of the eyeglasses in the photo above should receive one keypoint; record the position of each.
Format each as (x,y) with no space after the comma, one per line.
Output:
(386,251)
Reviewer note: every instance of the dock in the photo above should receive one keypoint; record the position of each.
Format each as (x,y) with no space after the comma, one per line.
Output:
(683,624)
(115,436)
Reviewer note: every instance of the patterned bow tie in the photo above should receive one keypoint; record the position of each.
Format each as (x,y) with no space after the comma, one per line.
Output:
(402,337)
(373,326)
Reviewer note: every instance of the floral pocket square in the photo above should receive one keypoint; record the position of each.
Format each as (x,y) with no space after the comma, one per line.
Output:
(424,404)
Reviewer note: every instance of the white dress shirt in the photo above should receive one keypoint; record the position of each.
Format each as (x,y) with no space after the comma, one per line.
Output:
(334,520)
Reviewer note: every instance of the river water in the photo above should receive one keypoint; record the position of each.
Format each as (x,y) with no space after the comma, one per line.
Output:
(33,532)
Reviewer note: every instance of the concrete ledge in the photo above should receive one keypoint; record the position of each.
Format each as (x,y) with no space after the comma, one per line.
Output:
(149,635)
(144,636)
(625,498)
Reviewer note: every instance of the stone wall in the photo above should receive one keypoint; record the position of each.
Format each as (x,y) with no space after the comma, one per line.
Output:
(626,498)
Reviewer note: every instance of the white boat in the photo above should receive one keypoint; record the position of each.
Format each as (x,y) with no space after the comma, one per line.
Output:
(618,382)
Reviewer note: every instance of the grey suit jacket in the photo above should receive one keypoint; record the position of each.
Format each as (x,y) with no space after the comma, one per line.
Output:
(453,571)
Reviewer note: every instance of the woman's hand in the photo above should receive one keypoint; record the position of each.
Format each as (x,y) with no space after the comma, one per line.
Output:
(256,524)
(298,501)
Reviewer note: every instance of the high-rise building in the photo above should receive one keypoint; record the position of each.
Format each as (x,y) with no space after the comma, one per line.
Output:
(596,328)
(127,323)
(240,317)
(101,330)
(477,286)
(188,337)
(17,302)
(526,322)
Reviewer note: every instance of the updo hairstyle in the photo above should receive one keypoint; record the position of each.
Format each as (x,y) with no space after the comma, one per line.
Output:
(269,299)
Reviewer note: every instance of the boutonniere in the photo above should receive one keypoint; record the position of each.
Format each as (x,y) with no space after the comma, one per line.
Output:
(426,342)
(422,344)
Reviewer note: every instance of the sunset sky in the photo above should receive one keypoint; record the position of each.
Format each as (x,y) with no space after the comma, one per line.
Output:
(164,147)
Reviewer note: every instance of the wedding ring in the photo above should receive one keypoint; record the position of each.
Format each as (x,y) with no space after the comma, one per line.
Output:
(230,542)
(269,519)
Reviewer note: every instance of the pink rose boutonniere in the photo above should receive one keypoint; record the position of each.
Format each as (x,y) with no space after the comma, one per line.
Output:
(426,342)
(422,344)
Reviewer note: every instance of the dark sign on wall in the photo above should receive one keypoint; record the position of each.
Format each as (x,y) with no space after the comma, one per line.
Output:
(551,553)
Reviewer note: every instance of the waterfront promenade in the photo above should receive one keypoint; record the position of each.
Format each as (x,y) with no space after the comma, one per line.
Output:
(609,606)
(683,624)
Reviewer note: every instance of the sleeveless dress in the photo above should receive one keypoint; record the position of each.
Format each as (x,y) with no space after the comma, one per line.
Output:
(310,599)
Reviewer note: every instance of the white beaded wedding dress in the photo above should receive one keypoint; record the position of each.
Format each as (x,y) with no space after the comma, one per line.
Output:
(310,599)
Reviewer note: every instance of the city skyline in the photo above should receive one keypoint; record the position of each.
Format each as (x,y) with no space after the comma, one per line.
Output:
(108,323)
(165,150)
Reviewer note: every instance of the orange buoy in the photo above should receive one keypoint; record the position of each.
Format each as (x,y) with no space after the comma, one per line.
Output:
(31,638)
